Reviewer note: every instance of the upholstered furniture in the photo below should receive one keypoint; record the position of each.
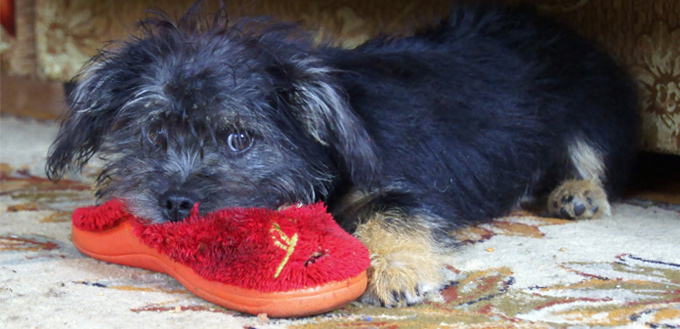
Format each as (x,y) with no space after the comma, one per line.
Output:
(55,37)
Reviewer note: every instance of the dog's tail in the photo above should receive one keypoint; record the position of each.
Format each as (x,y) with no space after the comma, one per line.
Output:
(490,19)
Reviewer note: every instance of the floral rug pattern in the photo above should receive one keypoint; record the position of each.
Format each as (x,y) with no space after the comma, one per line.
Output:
(520,271)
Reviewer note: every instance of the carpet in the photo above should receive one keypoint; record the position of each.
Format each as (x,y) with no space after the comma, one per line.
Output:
(521,271)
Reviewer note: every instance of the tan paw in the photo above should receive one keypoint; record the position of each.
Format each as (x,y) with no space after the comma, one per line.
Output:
(405,265)
(579,199)
(401,278)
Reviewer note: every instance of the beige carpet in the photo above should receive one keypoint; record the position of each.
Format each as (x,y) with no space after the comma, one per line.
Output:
(520,271)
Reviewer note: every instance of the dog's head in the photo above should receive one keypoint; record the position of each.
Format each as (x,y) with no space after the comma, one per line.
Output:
(220,114)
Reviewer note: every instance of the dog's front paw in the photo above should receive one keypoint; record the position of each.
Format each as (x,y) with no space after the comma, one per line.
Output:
(401,279)
(579,199)
(405,262)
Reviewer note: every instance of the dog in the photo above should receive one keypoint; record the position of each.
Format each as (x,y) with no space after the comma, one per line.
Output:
(404,138)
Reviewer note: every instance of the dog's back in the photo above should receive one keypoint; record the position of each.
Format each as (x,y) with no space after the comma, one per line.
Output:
(487,106)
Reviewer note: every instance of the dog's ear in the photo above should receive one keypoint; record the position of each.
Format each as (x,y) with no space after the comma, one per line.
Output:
(320,104)
(91,108)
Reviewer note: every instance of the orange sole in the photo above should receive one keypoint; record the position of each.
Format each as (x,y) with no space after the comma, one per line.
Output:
(119,245)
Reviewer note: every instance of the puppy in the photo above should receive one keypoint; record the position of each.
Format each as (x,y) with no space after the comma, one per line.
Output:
(404,138)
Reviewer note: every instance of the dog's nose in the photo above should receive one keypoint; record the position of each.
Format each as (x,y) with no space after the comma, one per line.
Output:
(176,205)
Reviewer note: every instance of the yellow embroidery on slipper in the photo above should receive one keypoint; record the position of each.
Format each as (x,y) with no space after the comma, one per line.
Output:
(288,245)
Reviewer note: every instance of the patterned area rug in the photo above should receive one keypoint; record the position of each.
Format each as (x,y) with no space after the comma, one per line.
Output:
(519,271)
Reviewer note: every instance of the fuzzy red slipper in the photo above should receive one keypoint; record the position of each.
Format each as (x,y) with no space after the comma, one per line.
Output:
(292,262)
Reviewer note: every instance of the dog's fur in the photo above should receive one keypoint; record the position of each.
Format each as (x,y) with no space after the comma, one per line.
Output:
(404,138)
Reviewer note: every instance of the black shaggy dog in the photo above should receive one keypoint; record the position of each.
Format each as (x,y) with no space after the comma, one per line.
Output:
(403,138)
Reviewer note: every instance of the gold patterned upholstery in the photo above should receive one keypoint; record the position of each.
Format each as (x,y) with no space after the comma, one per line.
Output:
(644,36)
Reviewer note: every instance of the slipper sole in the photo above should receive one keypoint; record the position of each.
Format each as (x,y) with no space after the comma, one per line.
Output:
(119,245)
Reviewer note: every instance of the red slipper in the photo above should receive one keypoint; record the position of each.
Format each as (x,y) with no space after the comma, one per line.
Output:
(292,262)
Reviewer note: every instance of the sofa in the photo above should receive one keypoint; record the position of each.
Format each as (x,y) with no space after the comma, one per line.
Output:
(53,38)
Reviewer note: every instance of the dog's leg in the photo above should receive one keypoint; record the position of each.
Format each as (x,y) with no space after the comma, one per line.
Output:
(405,259)
(582,197)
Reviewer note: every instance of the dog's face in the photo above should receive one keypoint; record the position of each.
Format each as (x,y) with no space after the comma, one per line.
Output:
(218,117)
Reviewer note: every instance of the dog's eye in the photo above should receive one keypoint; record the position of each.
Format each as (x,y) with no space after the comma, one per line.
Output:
(158,138)
(239,141)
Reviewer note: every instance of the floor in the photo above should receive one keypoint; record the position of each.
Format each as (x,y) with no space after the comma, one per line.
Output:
(517,271)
